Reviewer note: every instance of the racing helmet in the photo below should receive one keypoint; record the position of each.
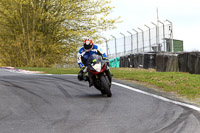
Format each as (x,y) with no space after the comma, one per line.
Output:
(88,45)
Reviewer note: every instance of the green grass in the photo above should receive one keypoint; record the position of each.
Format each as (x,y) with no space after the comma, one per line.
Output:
(183,84)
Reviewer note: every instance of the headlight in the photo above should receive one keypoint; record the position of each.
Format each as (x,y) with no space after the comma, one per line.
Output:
(97,67)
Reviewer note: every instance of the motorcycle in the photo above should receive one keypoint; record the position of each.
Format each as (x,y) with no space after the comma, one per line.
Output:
(98,71)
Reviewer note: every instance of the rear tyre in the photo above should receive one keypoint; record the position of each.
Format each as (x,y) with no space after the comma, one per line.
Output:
(105,85)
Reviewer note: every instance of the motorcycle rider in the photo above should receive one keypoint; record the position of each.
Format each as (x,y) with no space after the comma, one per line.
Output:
(84,53)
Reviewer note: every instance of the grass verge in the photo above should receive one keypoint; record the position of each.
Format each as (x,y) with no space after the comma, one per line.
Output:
(183,84)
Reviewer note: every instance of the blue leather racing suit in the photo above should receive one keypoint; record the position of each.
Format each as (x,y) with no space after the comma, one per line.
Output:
(83,56)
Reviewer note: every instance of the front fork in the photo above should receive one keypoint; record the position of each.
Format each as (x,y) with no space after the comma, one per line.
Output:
(109,75)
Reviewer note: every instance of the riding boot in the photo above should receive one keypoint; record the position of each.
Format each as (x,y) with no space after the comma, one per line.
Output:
(91,83)
(80,75)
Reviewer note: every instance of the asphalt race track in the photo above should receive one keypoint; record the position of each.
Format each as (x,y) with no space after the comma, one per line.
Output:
(36,103)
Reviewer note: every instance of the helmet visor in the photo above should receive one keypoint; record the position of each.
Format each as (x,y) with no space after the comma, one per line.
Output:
(88,47)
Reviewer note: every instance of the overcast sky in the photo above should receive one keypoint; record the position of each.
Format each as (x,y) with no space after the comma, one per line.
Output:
(184,14)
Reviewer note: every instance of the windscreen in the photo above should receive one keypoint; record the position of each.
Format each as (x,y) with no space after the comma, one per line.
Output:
(93,59)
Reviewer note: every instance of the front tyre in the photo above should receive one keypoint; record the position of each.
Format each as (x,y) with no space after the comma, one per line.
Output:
(105,85)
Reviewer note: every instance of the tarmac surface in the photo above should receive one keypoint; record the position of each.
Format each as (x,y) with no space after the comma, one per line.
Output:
(36,103)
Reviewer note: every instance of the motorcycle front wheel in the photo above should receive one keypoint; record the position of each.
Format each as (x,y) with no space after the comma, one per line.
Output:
(105,85)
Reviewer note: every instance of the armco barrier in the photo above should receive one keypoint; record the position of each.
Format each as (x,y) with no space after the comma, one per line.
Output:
(114,63)
(127,61)
(138,60)
(192,57)
(167,62)
(149,60)
(122,61)
(111,63)
(172,63)
(182,62)
(194,63)
(197,64)
(132,60)
(117,62)
(161,60)
(141,60)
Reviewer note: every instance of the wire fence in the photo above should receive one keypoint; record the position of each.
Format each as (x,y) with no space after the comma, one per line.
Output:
(151,40)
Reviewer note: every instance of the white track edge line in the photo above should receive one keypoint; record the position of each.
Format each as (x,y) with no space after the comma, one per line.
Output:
(158,97)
